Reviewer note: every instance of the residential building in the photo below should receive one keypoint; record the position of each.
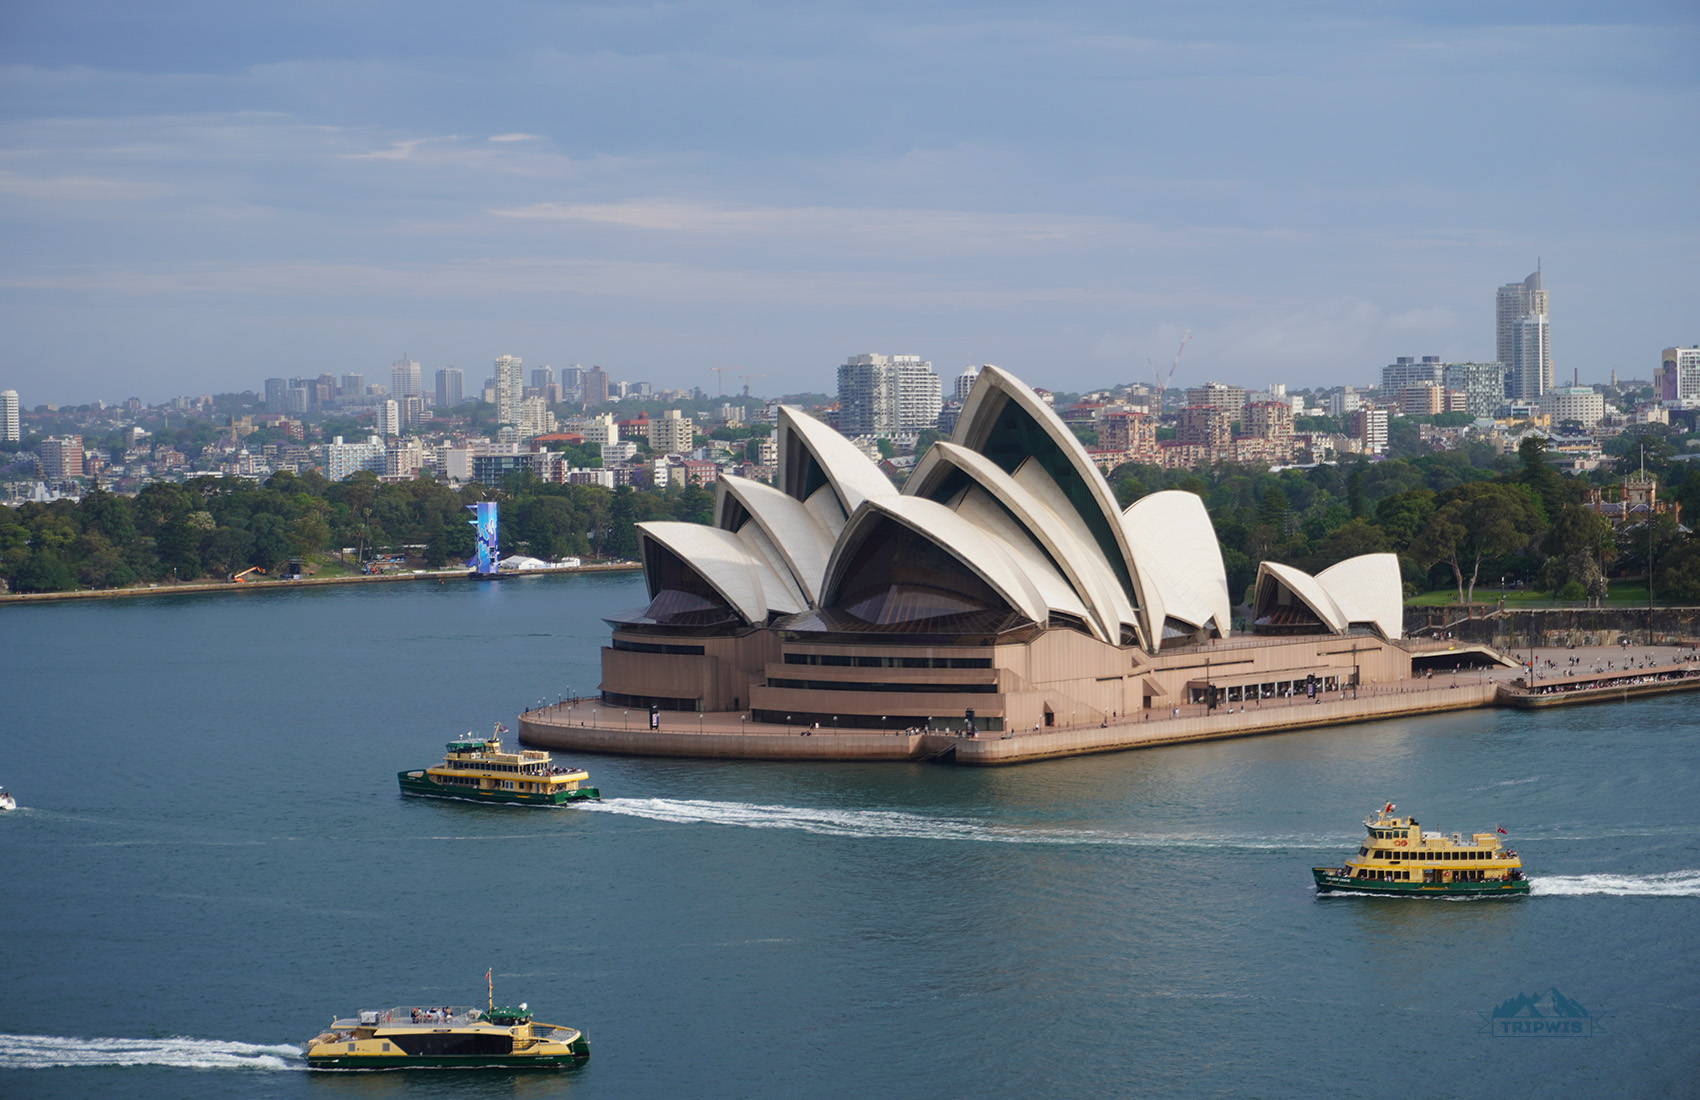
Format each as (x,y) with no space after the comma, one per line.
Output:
(1422,399)
(1679,375)
(451,387)
(593,386)
(1482,384)
(1131,433)
(1406,371)
(1531,375)
(388,420)
(671,433)
(353,387)
(405,380)
(1531,360)
(1271,420)
(964,383)
(533,418)
(887,395)
(1345,402)
(9,429)
(404,459)
(342,459)
(1230,399)
(1581,404)
(572,383)
(61,457)
(1205,426)
(602,428)
(510,389)
(277,395)
(1369,428)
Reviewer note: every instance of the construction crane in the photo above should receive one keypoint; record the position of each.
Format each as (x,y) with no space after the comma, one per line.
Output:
(747,377)
(1162,383)
(720,379)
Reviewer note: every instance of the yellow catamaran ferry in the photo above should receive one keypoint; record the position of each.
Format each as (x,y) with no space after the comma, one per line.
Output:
(1398,857)
(447,1037)
(477,770)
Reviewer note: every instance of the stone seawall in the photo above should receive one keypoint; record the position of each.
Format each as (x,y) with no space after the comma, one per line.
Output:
(1518,628)
(1019,748)
(561,727)
(549,728)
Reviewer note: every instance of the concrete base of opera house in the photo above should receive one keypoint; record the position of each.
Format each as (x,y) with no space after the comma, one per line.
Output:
(582,727)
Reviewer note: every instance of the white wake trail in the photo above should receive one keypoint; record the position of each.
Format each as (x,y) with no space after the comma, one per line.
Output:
(1673,884)
(56,1052)
(893,824)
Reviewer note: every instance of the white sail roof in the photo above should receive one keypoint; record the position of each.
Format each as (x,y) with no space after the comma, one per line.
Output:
(1174,540)
(1305,589)
(853,475)
(795,532)
(1368,589)
(981,553)
(744,578)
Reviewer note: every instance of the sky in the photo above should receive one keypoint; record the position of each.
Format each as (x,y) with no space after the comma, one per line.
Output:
(195,196)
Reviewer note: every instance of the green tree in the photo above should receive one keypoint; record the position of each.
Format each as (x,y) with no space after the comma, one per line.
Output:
(1473,523)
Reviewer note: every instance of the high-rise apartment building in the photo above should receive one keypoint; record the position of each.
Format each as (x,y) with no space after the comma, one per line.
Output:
(1369,428)
(1230,399)
(1205,426)
(1574,404)
(277,395)
(887,395)
(451,387)
(342,459)
(965,382)
(672,433)
(510,389)
(1531,358)
(61,457)
(9,430)
(1268,420)
(1482,384)
(389,418)
(353,387)
(1406,371)
(1679,375)
(593,385)
(1512,303)
(405,380)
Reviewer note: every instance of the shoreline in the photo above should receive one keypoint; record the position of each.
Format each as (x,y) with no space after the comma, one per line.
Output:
(199,587)
(579,726)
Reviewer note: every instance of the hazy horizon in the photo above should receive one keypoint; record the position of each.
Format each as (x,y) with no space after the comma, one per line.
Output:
(197,196)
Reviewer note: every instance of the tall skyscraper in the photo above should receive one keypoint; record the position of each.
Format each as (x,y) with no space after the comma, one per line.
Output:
(965,382)
(594,386)
(277,395)
(451,387)
(405,380)
(9,431)
(1512,303)
(887,395)
(353,386)
(1531,359)
(389,418)
(510,389)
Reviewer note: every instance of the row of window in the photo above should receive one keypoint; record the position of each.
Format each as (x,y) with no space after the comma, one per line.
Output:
(1445,856)
(657,647)
(839,660)
(853,685)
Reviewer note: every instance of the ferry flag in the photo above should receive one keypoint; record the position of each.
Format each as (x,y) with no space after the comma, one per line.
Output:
(1502,832)
(1388,809)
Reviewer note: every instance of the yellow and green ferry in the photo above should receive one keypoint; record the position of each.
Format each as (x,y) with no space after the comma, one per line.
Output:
(446,1037)
(1398,857)
(476,769)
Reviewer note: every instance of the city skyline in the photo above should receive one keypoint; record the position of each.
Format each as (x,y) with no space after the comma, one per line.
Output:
(192,197)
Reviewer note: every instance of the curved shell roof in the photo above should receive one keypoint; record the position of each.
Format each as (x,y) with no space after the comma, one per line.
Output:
(1176,543)
(981,553)
(745,580)
(1305,588)
(1105,609)
(852,475)
(1368,589)
(1007,422)
(797,534)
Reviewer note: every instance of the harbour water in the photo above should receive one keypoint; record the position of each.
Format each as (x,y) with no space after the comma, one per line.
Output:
(212,858)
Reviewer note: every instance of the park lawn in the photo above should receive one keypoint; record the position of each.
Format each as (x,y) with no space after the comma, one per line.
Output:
(1622,594)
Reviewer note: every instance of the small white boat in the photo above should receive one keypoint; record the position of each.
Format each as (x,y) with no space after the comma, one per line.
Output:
(7,802)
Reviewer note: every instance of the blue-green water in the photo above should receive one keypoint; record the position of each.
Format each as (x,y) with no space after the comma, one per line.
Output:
(212,858)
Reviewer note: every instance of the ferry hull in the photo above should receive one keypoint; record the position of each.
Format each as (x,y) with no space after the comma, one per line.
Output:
(426,787)
(1328,879)
(483,1061)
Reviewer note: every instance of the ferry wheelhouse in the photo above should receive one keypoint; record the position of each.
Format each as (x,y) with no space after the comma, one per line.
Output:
(446,1037)
(1399,857)
(477,769)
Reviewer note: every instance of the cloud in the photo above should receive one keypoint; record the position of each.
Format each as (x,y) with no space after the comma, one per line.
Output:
(398,150)
(516,137)
(76,189)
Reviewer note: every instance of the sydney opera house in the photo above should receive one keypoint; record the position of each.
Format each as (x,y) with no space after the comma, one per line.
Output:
(1002,587)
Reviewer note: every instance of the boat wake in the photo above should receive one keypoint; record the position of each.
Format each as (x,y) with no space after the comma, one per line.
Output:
(56,1052)
(893,824)
(1674,884)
